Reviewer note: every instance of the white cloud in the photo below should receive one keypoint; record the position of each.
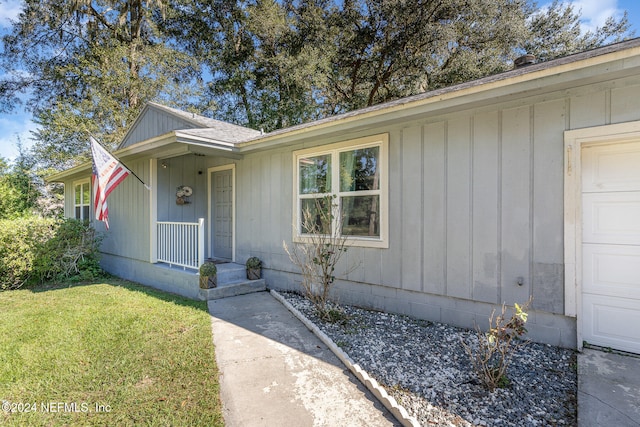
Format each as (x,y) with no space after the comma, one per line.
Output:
(9,9)
(594,13)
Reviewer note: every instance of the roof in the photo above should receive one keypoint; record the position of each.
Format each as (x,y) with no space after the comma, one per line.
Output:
(230,133)
(212,136)
(210,128)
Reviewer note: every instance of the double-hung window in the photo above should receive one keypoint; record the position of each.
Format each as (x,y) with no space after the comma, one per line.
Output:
(82,200)
(353,177)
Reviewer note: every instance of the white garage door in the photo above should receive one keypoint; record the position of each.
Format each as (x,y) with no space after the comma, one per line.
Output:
(611,246)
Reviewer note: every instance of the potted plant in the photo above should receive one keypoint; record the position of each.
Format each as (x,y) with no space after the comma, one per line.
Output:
(253,268)
(208,275)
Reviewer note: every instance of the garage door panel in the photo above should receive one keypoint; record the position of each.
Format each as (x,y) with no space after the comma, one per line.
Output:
(612,270)
(611,218)
(611,168)
(612,322)
(611,245)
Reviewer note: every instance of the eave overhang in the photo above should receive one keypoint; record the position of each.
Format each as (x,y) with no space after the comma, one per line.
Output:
(171,144)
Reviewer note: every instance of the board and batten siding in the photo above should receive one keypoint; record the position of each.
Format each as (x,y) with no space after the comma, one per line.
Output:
(129,216)
(475,210)
(189,170)
(263,208)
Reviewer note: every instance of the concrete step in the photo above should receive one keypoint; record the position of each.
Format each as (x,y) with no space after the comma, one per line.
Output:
(231,289)
(231,272)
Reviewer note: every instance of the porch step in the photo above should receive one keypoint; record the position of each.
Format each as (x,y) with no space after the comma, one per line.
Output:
(231,289)
(230,272)
(232,281)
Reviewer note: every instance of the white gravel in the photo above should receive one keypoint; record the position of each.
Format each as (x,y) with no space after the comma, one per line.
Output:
(425,367)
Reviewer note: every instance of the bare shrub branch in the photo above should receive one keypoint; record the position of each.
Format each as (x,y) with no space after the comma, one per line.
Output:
(320,252)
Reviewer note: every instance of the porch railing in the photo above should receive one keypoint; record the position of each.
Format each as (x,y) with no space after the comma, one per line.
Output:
(181,243)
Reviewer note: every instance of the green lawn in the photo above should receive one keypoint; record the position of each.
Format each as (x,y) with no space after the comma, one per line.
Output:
(109,353)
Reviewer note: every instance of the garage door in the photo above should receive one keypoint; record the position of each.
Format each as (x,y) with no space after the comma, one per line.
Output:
(611,245)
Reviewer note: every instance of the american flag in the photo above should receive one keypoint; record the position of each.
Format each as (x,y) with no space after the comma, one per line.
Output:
(108,172)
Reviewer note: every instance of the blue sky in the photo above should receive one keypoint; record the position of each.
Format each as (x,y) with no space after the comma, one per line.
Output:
(18,124)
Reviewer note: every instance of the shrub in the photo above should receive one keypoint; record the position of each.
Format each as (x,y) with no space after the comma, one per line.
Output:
(208,269)
(253,262)
(35,250)
(319,255)
(497,346)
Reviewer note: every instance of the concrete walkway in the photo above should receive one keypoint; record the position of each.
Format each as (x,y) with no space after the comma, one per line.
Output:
(608,389)
(275,372)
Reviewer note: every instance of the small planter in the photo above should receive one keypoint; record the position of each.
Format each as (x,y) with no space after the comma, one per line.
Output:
(253,273)
(208,275)
(208,282)
(254,265)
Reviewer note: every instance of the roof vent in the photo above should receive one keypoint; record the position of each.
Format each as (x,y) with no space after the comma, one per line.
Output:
(524,60)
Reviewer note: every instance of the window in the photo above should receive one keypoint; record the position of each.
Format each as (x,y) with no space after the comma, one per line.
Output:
(355,174)
(82,200)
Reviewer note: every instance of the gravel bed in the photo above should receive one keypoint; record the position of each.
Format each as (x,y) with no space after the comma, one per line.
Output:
(424,366)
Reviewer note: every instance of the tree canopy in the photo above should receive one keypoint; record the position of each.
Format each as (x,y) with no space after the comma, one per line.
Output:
(89,66)
(19,191)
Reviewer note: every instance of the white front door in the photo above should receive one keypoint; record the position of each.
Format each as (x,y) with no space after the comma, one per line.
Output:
(611,245)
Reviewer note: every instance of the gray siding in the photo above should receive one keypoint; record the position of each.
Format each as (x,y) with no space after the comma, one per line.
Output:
(129,216)
(189,170)
(154,123)
(476,205)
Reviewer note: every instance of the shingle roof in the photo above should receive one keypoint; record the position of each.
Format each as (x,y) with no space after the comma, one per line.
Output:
(210,128)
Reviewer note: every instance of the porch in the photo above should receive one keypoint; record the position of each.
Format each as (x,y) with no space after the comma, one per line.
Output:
(179,252)
(232,281)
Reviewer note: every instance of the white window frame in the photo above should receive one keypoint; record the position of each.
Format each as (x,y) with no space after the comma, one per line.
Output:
(82,203)
(382,141)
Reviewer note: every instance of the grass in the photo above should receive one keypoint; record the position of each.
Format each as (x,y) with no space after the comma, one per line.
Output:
(110,353)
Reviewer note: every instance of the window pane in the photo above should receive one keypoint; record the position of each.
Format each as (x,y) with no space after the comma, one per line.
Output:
(359,169)
(86,194)
(315,174)
(78,209)
(315,216)
(85,212)
(78,200)
(361,216)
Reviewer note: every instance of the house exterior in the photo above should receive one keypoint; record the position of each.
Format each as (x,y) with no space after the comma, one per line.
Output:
(521,184)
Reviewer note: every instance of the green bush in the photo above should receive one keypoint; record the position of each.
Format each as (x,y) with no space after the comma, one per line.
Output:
(35,250)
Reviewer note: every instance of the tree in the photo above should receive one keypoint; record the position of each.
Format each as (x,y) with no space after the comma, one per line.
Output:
(19,191)
(555,32)
(279,63)
(88,67)
(268,59)
(395,48)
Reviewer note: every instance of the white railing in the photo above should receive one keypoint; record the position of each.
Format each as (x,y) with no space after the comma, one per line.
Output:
(181,243)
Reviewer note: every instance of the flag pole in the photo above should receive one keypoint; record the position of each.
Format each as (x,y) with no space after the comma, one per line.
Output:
(122,163)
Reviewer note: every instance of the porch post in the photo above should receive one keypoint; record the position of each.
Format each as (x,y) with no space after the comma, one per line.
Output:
(153,208)
(200,241)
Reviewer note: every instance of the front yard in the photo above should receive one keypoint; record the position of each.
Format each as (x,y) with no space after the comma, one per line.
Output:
(108,353)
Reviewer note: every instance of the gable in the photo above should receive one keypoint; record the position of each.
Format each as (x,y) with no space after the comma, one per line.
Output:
(157,119)
(154,121)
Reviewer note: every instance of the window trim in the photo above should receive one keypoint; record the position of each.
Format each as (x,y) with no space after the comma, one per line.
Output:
(380,140)
(81,205)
